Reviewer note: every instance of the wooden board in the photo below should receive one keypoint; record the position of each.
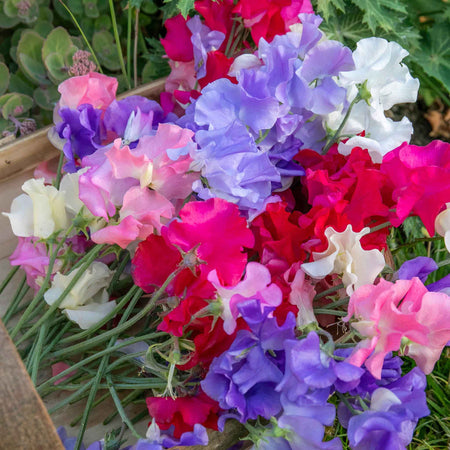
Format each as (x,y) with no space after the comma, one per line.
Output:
(24,421)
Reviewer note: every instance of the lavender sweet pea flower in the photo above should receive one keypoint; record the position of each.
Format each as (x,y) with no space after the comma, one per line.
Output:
(203,41)
(421,267)
(68,442)
(119,111)
(81,128)
(393,415)
(244,377)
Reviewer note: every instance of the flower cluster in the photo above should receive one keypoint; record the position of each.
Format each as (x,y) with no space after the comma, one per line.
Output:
(237,239)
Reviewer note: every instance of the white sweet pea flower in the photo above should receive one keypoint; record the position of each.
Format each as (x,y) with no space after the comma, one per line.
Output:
(87,303)
(379,68)
(379,64)
(442,225)
(39,212)
(382,134)
(345,256)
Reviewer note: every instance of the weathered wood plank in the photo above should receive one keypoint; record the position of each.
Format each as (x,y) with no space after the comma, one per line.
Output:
(24,421)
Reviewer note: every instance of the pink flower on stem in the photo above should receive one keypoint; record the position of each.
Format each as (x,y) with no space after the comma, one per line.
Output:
(390,314)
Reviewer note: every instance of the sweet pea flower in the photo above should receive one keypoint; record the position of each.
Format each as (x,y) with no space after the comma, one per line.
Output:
(442,225)
(345,256)
(39,212)
(379,64)
(255,285)
(94,88)
(32,258)
(87,302)
(390,314)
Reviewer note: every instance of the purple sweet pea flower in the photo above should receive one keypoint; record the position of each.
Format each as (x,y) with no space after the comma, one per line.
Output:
(118,114)
(420,267)
(68,442)
(203,41)
(245,376)
(81,128)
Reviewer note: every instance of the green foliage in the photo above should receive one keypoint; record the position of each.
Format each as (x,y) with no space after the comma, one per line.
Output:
(14,104)
(420,26)
(4,78)
(173,7)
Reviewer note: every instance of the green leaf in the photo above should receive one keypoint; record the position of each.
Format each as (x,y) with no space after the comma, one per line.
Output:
(19,83)
(434,54)
(15,104)
(46,98)
(58,41)
(4,78)
(26,12)
(185,6)
(29,57)
(382,13)
(43,28)
(327,7)
(91,9)
(105,48)
(6,21)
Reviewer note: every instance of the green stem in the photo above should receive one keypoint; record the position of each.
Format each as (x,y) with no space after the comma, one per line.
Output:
(329,311)
(443,263)
(71,397)
(59,170)
(8,278)
(98,377)
(342,301)
(121,327)
(75,21)
(87,261)
(96,403)
(37,353)
(120,409)
(331,290)
(135,50)
(380,227)
(18,297)
(116,37)
(54,341)
(40,295)
(129,14)
(336,135)
(126,401)
(118,272)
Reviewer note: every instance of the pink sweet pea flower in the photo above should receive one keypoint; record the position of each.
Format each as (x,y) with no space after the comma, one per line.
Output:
(33,260)
(94,88)
(390,312)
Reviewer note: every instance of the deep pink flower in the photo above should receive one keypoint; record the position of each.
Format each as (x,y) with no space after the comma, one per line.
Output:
(267,18)
(222,233)
(177,43)
(183,412)
(421,180)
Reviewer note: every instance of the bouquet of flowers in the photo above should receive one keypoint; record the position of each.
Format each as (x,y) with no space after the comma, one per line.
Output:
(239,251)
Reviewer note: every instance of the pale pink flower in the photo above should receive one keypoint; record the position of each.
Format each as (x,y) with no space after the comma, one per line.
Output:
(94,88)
(391,313)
